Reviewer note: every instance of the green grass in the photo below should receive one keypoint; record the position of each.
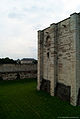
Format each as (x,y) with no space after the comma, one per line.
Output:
(21,100)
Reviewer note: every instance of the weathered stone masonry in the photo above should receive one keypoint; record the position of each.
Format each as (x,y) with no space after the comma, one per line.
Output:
(59,59)
(17,71)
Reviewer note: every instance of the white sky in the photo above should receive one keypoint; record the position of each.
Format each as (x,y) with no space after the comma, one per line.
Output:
(21,19)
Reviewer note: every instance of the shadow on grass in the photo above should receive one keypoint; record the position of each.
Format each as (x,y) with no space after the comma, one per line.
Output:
(12,82)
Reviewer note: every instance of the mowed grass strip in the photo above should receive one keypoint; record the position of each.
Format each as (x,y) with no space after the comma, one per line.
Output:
(20,100)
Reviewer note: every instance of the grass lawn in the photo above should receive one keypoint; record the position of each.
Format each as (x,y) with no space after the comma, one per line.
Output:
(21,100)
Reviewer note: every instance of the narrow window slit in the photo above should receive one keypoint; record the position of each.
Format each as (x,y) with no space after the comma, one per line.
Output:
(48,54)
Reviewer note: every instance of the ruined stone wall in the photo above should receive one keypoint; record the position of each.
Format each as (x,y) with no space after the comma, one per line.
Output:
(77,37)
(64,49)
(50,56)
(67,56)
(17,71)
(59,59)
(47,58)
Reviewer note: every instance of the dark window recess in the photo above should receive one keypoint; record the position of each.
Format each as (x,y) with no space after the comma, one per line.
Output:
(1,78)
(63,92)
(78,101)
(48,54)
(45,85)
(18,76)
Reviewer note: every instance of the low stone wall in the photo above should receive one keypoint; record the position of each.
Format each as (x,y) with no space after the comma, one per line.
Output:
(17,71)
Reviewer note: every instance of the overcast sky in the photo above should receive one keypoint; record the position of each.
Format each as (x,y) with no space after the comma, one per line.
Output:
(21,19)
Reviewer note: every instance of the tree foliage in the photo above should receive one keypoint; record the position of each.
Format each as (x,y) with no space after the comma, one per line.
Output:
(7,61)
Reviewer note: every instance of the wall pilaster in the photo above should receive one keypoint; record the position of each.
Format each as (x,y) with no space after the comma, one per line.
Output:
(40,58)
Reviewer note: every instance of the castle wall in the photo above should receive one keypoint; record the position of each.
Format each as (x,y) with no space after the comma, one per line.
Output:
(47,58)
(17,71)
(77,37)
(59,59)
(64,52)
(67,56)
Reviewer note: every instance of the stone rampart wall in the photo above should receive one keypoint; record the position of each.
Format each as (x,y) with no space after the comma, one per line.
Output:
(17,71)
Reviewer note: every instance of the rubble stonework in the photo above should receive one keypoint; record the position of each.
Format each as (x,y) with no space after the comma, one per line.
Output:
(59,59)
(17,71)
